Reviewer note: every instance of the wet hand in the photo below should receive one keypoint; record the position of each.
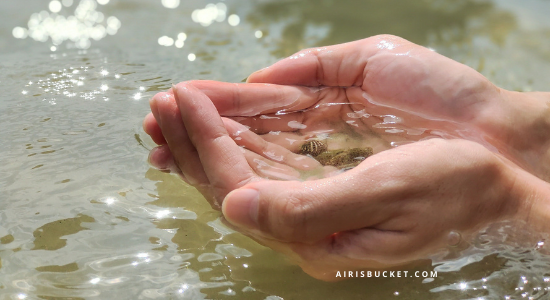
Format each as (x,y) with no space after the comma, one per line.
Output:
(397,206)
(391,71)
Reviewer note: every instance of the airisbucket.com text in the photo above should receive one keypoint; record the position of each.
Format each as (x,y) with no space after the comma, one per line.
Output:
(386,274)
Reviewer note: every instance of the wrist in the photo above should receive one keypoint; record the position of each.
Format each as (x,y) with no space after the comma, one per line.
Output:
(518,124)
(536,204)
(524,197)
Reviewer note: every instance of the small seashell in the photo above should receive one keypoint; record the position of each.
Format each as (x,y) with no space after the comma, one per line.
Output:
(313,148)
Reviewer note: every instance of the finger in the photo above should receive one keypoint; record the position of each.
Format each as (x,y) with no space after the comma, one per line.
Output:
(263,124)
(298,211)
(339,65)
(273,152)
(223,161)
(152,128)
(239,99)
(330,105)
(161,158)
(289,140)
(165,110)
(269,169)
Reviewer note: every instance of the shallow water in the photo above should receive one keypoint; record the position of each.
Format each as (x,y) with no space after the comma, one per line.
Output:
(83,216)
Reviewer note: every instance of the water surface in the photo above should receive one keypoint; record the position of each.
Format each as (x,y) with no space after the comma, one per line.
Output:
(83,216)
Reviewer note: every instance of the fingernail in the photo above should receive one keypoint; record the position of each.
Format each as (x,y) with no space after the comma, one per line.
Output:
(159,158)
(241,207)
(154,109)
(256,73)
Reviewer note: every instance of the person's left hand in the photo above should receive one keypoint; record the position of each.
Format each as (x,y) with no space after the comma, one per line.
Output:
(395,207)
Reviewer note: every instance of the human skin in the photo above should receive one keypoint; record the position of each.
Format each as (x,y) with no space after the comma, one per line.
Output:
(395,207)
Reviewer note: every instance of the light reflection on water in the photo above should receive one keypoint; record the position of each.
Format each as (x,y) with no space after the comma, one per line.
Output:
(84,216)
(86,23)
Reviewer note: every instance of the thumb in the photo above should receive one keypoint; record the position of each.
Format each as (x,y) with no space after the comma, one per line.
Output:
(308,211)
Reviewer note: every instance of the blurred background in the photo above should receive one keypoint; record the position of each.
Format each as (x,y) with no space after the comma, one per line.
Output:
(83,216)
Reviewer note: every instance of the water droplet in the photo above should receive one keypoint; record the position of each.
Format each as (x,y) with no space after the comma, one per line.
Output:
(454,238)
(296,125)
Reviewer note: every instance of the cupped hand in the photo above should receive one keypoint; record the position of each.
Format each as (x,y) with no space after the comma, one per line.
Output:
(391,71)
(395,207)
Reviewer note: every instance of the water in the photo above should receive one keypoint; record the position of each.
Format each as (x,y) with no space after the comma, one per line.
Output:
(83,216)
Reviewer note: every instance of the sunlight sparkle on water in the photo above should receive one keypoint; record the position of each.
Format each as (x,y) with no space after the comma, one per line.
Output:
(234,20)
(109,200)
(104,72)
(95,280)
(19,32)
(209,14)
(166,41)
(171,3)
(163,213)
(55,6)
(191,57)
(463,285)
(184,287)
(137,96)
(104,87)
(77,29)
